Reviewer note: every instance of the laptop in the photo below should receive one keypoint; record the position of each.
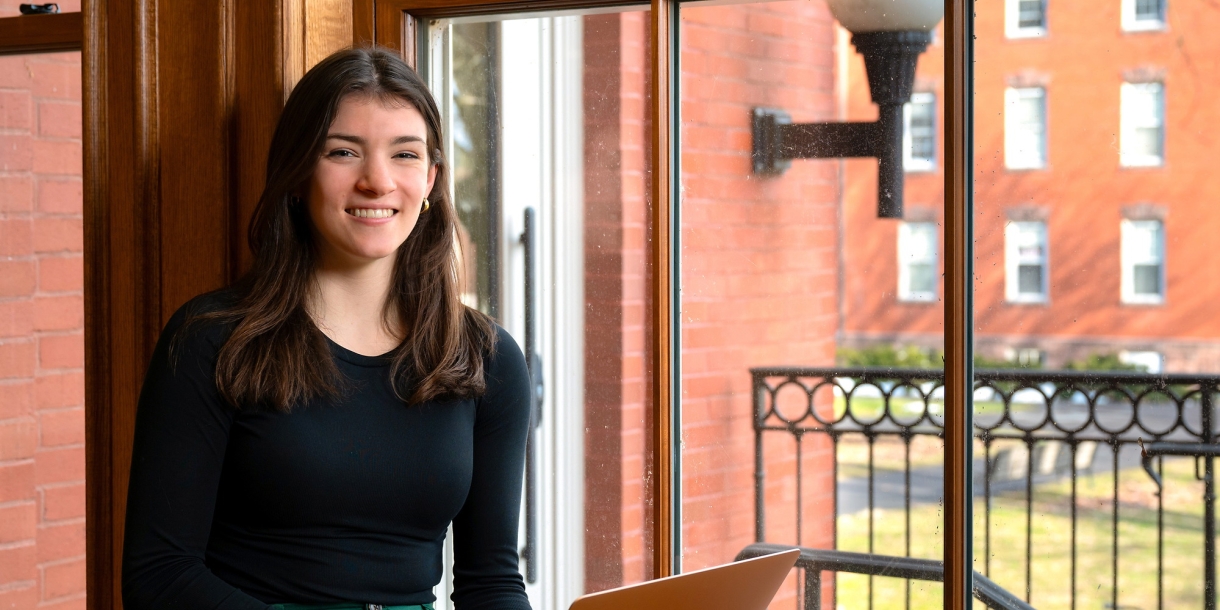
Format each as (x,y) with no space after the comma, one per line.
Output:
(741,585)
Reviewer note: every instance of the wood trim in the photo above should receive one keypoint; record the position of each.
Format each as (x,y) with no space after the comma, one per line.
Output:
(41,33)
(122,264)
(364,23)
(958,526)
(665,496)
(465,8)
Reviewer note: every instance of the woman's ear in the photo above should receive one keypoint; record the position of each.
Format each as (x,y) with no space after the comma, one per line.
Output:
(432,171)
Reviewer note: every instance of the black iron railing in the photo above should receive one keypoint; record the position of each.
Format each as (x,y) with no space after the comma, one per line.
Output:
(1032,428)
(815,561)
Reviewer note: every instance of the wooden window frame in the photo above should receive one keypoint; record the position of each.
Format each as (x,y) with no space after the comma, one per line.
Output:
(52,33)
(122,193)
(395,22)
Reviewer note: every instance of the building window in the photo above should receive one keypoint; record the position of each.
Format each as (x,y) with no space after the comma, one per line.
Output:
(1025,128)
(1143,14)
(1143,124)
(1025,357)
(919,132)
(1150,362)
(1025,18)
(917,261)
(1143,260)
(1026,258)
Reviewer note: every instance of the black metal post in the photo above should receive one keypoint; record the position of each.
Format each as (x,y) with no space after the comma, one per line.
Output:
(1209,503)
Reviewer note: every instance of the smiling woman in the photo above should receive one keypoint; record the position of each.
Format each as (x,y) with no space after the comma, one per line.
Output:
(306,436)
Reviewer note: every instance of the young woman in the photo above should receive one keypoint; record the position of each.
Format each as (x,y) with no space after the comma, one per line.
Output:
(305,437)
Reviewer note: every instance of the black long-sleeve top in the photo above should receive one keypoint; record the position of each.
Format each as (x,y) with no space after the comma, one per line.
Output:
(345,499)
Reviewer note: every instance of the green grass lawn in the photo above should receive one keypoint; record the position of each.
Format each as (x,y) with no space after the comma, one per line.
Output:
(1050,580)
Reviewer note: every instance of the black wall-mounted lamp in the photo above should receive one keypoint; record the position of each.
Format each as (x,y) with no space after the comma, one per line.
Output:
(890,34)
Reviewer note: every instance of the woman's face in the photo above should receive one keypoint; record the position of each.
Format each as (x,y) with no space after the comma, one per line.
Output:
(368,186)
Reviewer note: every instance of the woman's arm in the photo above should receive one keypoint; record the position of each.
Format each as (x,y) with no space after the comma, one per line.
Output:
(485,569)
(182,429)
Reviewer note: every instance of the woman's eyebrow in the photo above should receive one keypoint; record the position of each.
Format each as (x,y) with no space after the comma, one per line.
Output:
(361,141)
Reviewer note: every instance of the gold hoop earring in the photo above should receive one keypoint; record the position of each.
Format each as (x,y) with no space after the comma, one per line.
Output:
(427,204)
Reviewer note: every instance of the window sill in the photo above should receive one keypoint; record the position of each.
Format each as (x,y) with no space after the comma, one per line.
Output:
(1025,301)
(918,300)
(1142,163)
(1138,27)
(1025,34)
(1143,302)
(1025,168)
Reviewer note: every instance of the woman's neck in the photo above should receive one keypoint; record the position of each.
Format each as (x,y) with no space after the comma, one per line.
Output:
(349,307)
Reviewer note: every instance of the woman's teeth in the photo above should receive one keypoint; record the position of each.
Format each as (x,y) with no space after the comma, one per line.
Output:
(366,213)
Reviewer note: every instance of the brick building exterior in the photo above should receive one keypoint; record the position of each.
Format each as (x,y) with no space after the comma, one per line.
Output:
(1089,201)
(42,423)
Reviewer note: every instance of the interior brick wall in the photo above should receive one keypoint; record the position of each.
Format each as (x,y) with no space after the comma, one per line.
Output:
(42,423)
(42,426)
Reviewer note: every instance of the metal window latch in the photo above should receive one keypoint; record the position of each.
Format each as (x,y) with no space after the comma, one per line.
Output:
(38,9)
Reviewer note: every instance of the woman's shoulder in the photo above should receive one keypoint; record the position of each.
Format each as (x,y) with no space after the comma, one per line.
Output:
(504,361)
(201,322)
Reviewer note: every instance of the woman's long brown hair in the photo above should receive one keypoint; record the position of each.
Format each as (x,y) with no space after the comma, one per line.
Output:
(276,356)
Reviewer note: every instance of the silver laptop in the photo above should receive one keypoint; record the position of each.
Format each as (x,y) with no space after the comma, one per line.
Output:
(741,585)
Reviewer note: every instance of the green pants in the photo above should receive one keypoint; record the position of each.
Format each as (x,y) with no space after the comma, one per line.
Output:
(347,607)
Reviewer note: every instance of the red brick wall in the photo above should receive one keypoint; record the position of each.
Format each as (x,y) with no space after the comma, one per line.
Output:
(42,488)
(758,265)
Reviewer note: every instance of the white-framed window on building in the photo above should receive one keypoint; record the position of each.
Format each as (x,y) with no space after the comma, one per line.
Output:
(1143,15)
(1025,357)
(1143,261)
(917,276)
(1148,361)
(1025,18)
(1026,260)
(919,132)
(1025,127)
(1142,141)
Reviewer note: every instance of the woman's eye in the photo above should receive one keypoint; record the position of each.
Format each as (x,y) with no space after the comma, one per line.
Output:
(406,155)
(342,152)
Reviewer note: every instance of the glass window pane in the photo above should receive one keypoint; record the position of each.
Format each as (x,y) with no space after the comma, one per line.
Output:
(789,282)
(1025,131)
(920,135)
(1029,13)
(548,120)
(1070,389)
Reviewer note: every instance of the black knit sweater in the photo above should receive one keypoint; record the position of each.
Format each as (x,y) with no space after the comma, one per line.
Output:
(344,499)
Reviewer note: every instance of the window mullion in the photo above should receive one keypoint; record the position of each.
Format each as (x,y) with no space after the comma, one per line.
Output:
(666,421)
(958,526)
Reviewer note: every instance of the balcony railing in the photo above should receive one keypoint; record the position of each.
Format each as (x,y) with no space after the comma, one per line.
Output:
(1034,431)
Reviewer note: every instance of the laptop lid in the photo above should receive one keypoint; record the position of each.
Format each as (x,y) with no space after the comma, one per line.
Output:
(741,585)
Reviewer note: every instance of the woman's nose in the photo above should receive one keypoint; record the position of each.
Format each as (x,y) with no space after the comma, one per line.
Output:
(376,179)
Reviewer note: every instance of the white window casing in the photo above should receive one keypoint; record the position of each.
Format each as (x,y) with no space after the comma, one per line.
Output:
(1143,15)
(1143,261)
(1026,262)
(917,261)
(919,133)
(1142,138)
(1025,18)
(1025,127)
